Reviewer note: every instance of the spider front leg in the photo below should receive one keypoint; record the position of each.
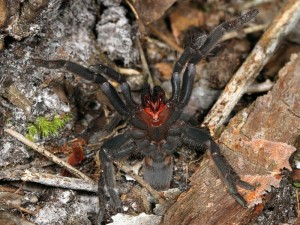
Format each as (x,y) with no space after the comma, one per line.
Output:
(97,78)
(196,137)
(113,149)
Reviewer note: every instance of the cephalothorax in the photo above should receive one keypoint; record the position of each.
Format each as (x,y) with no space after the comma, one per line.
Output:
(156,129)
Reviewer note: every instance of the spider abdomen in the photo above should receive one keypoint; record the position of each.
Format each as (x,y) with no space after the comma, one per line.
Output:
(158,171)
(158,161)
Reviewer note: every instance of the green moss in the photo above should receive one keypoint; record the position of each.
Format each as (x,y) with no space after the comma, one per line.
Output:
(296,184)
(43,127)
(32,132)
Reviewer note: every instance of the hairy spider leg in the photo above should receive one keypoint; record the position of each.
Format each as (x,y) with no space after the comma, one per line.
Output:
(114,149)
(87,74)
(216,34)
(102,69)
(200,47)
(196,137)
(181,97)
(193,53)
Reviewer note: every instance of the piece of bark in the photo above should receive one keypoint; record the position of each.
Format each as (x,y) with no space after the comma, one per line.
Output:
(251,145)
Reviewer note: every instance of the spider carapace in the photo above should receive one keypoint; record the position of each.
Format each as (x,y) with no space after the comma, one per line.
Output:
(156,128)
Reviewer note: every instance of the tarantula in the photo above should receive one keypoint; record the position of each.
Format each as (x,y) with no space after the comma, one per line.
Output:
(157,130)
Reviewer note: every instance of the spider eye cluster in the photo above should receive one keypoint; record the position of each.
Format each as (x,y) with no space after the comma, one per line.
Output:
(153,102)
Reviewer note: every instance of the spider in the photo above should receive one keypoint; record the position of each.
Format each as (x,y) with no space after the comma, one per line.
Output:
(157,130)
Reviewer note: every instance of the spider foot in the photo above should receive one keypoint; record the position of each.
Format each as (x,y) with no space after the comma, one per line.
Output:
(116,204)
(240,199)
(233,180)
(245,185)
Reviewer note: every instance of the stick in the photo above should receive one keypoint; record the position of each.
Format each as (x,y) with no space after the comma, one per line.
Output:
(18,207)
(48,155)
(284,22)
(260,87)
(248,30)
(128,71)
(146,69)
(49,180)
(165,39)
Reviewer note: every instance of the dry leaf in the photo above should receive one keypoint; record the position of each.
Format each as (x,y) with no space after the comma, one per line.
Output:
(183,18)
(151,10)
(165,70)
(13,94)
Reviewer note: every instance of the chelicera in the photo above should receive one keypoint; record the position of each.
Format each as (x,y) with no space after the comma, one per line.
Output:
(156,128)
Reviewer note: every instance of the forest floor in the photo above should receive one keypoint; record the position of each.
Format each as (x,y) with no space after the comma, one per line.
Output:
(53,123)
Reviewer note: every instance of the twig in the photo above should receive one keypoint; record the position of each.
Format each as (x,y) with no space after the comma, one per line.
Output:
(141,51)
(166,39)
(297,199)
(48,155)
(144,63)
(128,71)
(11,190)
(254,4)
(18,207)
(260,87)
(142,182)
(247,30)
(133,9)
(260,55)
(49,180)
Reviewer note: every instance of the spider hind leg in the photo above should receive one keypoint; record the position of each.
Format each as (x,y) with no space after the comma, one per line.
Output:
(196,137)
